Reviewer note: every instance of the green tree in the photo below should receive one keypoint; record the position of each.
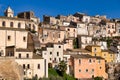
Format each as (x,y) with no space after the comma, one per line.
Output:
(62,67)
(75,43)
(98,78)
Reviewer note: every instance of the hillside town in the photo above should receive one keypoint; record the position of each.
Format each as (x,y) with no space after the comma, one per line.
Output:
(89,46)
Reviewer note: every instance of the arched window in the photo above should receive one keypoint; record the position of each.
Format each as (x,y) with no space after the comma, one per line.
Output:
(11,24)
(19,25)
(3,23)
(34,27)
(0,54)
(108,31)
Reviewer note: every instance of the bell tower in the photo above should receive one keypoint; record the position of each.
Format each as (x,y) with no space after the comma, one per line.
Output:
(9,12)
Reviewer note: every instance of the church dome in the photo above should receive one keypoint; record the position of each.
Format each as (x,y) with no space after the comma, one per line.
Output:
(9,10)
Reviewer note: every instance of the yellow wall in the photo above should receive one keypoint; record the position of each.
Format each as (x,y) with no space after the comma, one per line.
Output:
(108,56)
(96,51)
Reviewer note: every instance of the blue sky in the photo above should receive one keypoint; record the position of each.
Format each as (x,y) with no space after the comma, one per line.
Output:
(111,8)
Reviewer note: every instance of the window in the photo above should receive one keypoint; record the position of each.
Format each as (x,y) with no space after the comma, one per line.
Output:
(11,24)
(92,70)
(59,35)
(28,66)
(9,38)
(86,70)
(24,39)
(74,30)
(95,54)
(90,61)
(50,59)
(85,40)
(79,70)
(19,55)
(33,27)
(111,55)
(79,61)
(112,26)
(23,66)
(108,31)
(57,53)
(54,59)
(38,66)
(27,55)
(114,31)
(42,40)
(100,67)
(86,20)
(98,61)
(95,49)
(29,72)
(19,25)
(53,35)
(3,23)
(105,60)
(0,54)
(11,53)
(68,29)
(44,53)
(59,46)
(59,59)
(119,30)
(108,26)
(29,25)
(104,54)
(24,73)
(50,53)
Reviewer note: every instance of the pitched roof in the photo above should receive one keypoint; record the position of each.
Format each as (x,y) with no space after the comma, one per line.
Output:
(85,56)
(23,50)
(14,29)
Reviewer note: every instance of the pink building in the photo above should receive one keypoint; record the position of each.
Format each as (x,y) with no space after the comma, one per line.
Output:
(84,66)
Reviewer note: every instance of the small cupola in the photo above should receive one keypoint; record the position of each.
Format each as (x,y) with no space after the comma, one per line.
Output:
(9,12)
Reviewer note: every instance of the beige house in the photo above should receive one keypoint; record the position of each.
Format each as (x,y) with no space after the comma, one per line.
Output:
(33,65)
(118,28)
(53,53)
(51,20)
(81,28)
(17,42)
(15,22)
(12,37)
(97,19)
(70,31)
(82,17)
(72,18)
(50,35)
(84,40)
(110,29)
(68,43)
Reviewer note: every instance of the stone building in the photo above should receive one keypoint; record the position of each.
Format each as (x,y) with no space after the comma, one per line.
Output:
(17,42)
(53,53)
